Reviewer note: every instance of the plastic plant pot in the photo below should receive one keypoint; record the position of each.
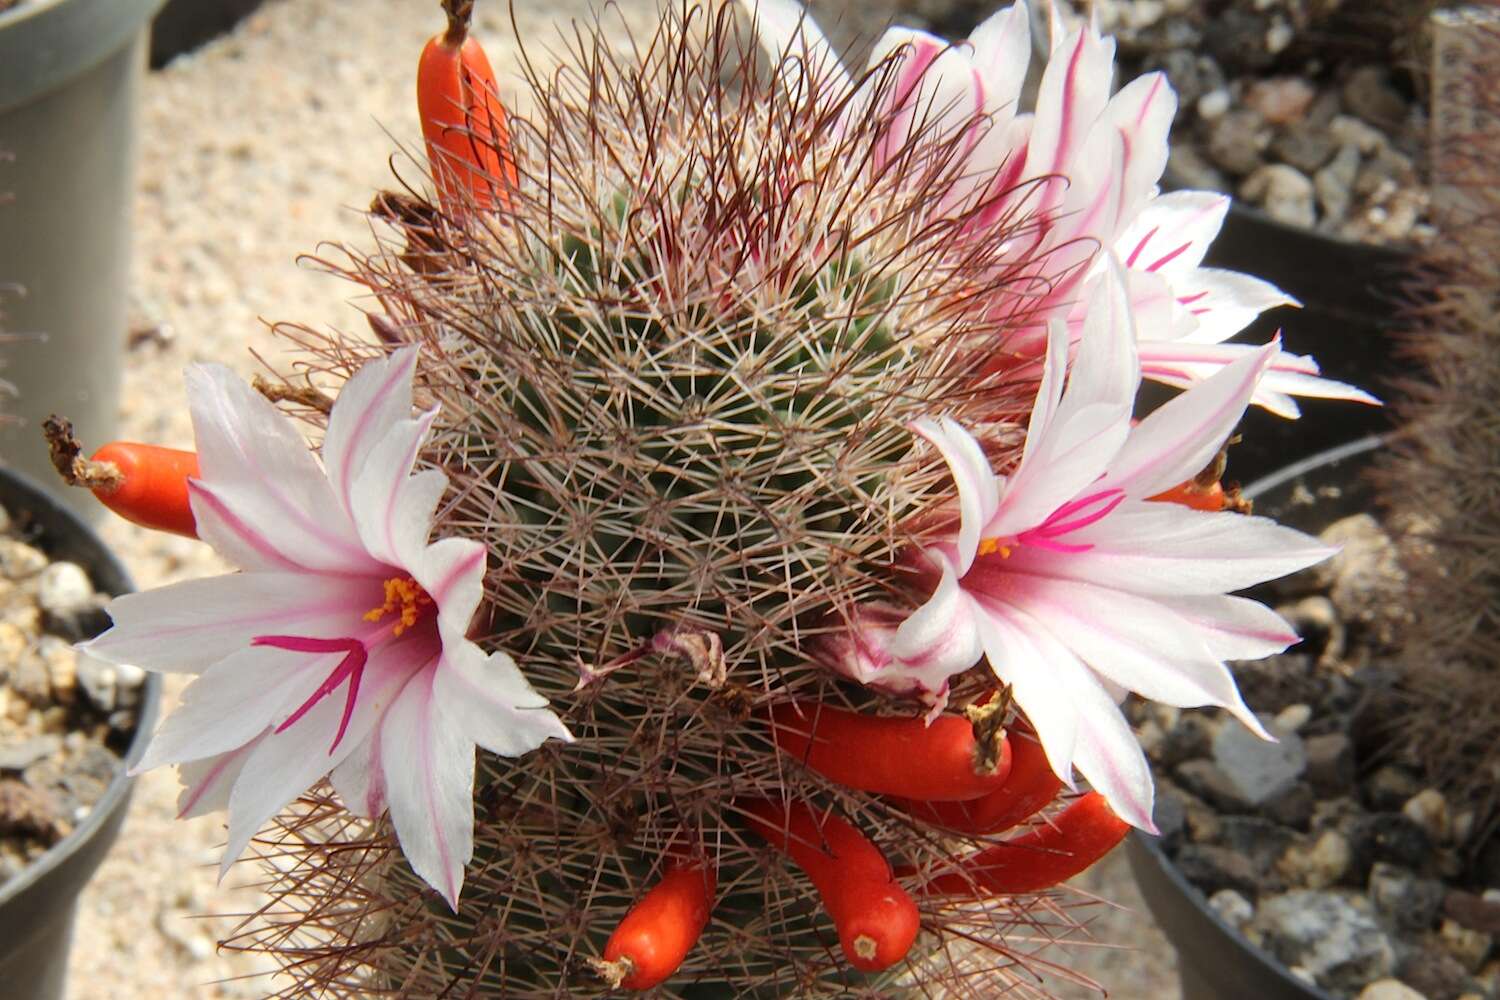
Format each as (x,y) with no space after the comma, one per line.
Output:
(1215,961)
(183,25)
(70,73)
(37,906)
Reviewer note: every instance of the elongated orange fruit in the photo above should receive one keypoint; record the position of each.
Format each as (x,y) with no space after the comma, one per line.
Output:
(153,490)
(463,121)
(909,758)
(662,927)
(1029,788)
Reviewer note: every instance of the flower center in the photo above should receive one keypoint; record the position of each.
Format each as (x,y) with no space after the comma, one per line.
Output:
(351,667)
(404,598)
(1068,518)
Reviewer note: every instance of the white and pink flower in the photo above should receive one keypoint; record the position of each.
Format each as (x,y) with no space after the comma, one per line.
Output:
(340,649)
(1082,169)
(1071,583)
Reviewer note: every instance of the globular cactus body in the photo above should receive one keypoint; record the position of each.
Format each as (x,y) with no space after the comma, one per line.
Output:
(676,374)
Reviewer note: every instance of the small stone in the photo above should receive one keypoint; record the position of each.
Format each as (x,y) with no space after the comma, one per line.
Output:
(1258,770)
(61,661)
(1188,168)
(1318,866)
(1330,762)
(1234,909)
(1284,192)
(1150,736)
(1261,840)
(1470,947)
(130,680)
(1330,934)
(19,561)
(1368,93)
(1429,810)
(1304,146)
(1390,989)
(1292,808)
(1349,131)
(1390,787)
(1278,36)
(1214,104)
(64,589)
(20,756)
(1385,173)
(1292,718)
(1206,780)
(1434,973)
(1389,837)
(99,682)
(1365,579)
(1212,868)
(1191,737)
(1281,99)
(1237,140)
(1170,814)
(1411,903)
(1335,183)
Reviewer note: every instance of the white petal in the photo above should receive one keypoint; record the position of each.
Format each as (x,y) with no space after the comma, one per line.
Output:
(206,783)
(978,489)
(1225,302)
(1173,231)
(233,701)
(189,626)
(1074,91)
(1178,439)
(1163,548)
(429,776)
(1106,369)
(1067,703)
(1142,110)
(267,487)
(451,570)
(370,405)
(360,779)
(788,33)
(1135,642)
(393,509)
(1037,687)
(491,701)
(1235,628)
(940,638)
(286,764)
(1002,53)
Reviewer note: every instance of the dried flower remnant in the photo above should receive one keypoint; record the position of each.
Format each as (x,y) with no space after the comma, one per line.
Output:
(339,588)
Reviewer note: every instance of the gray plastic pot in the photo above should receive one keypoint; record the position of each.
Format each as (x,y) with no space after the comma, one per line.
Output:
(1215,961)
(70,73)
(37,907)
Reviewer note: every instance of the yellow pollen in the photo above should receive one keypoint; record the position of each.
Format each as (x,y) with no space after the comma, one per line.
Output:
(989,546)
(404,597)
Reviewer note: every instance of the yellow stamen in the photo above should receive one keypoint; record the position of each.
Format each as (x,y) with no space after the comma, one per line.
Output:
(405,597)
(989,546)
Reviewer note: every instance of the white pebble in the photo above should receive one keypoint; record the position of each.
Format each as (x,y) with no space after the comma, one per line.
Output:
(64,589)
(1214,104)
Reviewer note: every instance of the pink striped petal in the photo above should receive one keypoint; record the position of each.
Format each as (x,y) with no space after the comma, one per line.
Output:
(262,476)
(1002,53)
(360,779)
(939,639)
(1180,438)
(1225,302)
(1142,112)
(393,509)
(191,625)
(1074,91)
(490,701)
(978,489)
(376,399)
(790,36)
(429,773)
(206,783)
(451,570)
(1171,234)
(1162,549)
(1235,628)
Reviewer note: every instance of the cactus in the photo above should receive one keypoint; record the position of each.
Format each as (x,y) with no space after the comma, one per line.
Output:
(676,376)
(1440,479)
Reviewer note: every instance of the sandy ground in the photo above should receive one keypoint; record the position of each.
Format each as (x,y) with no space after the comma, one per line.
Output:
(254,151)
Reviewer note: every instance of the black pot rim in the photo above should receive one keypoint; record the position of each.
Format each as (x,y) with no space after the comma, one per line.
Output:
(1148,850)
(56,519)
